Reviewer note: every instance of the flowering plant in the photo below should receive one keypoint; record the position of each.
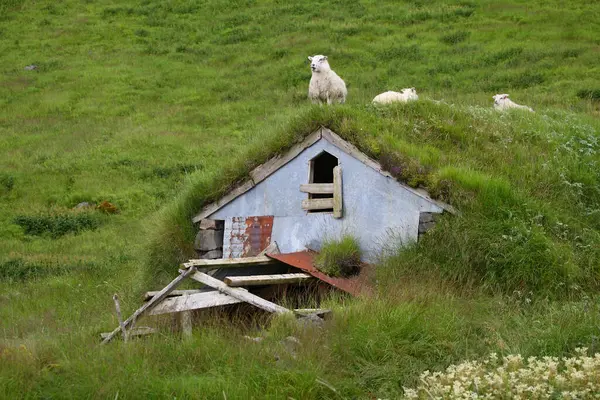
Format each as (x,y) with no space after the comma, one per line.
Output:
(513,377)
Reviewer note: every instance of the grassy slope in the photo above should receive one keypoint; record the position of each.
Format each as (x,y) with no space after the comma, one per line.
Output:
(139,102)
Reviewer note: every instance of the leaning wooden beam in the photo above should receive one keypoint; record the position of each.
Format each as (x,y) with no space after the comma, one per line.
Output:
(231,262)
(317,204)
(239,293)
(153,302)
(254,280)
(193,302)
(149,295)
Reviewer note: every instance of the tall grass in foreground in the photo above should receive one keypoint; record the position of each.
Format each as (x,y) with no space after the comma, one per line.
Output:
(370,348)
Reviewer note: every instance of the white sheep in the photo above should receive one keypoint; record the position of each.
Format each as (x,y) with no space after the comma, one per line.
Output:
(325,85)
(502,102)
(390,97)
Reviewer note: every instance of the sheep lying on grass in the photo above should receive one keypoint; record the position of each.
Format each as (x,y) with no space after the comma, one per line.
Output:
(390,97)
(325,85)
(502,102)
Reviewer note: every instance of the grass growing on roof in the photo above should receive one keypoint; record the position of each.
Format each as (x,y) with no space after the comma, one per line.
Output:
(339,257)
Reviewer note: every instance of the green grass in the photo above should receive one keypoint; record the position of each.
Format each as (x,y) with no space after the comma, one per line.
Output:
(159,107)
(339,257)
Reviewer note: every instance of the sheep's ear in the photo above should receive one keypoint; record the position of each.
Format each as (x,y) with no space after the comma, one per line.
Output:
(310,58)
(504,96)
(325,58)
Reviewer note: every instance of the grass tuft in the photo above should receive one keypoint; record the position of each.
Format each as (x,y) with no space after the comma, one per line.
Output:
(339,257)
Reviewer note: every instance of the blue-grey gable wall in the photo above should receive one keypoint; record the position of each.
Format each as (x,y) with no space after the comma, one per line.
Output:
(378,211)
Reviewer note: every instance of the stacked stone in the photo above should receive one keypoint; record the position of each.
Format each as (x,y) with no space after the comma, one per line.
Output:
(209,239)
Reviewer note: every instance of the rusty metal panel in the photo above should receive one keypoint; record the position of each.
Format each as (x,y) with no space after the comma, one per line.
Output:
(247,236)
(304,260)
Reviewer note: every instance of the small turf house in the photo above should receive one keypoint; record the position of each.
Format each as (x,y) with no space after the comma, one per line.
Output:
(320,189)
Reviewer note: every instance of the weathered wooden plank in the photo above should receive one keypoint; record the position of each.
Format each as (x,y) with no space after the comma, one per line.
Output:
(195,301)
(153,302)
(317,188)
(254,280)
(138,331)
(259,174)
(337,192)
(230,262)
(151,294)
(239,293)
(350,149)
(317,204)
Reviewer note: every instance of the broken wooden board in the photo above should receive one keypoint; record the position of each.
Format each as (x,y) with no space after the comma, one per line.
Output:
(255,280)
(193,302)
(239,293)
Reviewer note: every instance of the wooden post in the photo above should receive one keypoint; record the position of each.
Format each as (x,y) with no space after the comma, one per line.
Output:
(337,192)
(120,317)
(186,324)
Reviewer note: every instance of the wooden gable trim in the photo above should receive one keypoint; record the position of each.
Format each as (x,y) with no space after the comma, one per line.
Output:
(259,174)
(265,170)
(353,151)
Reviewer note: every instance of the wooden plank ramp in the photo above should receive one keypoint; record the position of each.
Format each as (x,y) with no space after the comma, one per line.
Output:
(255,280)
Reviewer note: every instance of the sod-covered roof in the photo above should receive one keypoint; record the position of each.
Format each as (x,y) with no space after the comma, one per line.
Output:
(527,185)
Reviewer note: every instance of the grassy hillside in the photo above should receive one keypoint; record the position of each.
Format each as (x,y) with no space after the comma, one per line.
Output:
(158,106)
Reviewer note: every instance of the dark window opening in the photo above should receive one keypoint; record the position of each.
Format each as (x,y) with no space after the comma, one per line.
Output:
(321,171)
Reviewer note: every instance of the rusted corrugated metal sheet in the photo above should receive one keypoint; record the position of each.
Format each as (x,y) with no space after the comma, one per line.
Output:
(304,260)
(247,236)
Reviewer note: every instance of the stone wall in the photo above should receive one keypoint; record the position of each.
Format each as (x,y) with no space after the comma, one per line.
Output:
(209,239)
(427,221)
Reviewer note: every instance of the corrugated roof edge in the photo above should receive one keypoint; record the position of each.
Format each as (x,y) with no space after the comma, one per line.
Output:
(263,171)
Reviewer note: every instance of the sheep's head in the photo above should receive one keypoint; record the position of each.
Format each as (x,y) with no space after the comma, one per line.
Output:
(499,97)
(319,63)
(410,91)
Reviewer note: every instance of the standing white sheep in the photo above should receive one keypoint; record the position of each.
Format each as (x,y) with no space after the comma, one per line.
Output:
(325,85)
(502,102)
(390,97)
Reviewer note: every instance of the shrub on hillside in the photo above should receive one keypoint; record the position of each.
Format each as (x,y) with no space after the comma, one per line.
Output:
(56,225)
(514,377)
(589,94)
(339,257)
